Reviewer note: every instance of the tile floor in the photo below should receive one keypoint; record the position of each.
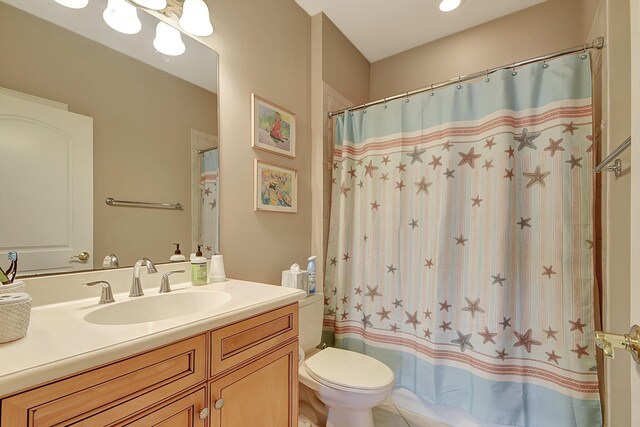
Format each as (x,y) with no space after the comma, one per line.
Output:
(392,416)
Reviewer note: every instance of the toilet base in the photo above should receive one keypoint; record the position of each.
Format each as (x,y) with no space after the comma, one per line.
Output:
(338,417)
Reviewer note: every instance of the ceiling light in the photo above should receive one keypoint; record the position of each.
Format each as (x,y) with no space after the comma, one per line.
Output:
(122,17)
(195,18)
(152,4)
(449,5)
(73,4)
(168,40)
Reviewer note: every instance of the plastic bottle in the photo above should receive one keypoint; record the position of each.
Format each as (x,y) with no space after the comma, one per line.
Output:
(198,269)
(311,271)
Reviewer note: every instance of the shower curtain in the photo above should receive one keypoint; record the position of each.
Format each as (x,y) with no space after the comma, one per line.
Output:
(460,244)
(209,211)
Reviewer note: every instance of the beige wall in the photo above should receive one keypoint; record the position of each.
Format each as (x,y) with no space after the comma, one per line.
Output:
(142,128)
(264,48)
(550,26)
(344,68)
(340,78)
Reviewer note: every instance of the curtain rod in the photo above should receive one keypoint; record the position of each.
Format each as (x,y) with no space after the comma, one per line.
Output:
(598,43)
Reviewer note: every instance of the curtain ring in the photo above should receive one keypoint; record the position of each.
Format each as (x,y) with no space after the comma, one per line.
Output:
(544,64)
(584,53)
(459,85)
(350,113)
(513,71)
(487,79)
(406,99)
(432,93)
(384,104)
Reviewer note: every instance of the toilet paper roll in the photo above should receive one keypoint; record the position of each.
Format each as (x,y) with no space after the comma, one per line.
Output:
(300,356)
(216,271)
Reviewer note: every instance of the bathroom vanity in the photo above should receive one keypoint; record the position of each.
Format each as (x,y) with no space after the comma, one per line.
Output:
(234,365)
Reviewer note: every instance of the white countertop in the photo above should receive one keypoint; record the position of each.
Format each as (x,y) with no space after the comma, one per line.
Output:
(60,342)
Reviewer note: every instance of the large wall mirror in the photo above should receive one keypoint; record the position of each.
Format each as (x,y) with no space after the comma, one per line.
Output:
(87,114)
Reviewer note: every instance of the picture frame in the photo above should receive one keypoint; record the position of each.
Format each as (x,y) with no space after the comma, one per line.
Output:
(273,128)
(275,188)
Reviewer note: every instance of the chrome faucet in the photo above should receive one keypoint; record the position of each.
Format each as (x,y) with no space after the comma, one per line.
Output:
(164,284)
(136,287)
(110,261)
(107,295)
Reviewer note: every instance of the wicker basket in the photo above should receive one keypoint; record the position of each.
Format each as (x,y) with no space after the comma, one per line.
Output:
(17,286)
(15,312)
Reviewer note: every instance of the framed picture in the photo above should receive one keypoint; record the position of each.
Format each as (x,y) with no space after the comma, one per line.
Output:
(276,188)
(273,128)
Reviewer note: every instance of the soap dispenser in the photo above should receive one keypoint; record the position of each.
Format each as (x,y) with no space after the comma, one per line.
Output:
(177,255)
(199,269)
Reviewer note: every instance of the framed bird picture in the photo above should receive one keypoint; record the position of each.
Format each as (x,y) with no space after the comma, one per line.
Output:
(273,128)
(276,188)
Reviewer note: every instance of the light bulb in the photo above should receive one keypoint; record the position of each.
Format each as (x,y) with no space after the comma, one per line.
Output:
(195,18)
(122,17)
(73,4)
(168,40)
(449,5)
(152,4)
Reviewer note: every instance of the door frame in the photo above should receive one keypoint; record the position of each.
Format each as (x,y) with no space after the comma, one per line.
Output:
(634,290)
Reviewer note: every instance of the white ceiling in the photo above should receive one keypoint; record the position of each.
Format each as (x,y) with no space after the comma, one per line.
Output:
(381,28)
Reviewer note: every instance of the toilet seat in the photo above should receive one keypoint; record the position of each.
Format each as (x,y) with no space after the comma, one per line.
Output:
(348,371)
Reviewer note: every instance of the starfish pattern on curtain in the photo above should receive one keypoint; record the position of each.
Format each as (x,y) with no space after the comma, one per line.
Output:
(460,245)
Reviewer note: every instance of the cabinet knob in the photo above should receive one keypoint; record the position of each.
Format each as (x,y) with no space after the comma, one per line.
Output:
(204,414)
(219,403)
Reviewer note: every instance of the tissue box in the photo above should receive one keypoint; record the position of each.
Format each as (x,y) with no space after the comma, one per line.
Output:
(299,279)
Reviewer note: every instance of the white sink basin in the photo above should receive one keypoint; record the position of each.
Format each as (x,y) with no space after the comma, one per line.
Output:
(157,307)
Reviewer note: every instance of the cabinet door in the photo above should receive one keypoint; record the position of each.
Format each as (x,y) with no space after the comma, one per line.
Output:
(184,411)
(262,393)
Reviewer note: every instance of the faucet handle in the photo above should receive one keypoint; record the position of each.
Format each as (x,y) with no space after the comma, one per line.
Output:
(164,284)
(107,295)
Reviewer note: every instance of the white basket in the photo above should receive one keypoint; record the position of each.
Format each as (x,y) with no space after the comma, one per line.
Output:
(15,312)
(16,286)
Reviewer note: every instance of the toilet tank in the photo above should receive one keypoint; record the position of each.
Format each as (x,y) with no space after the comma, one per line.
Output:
(310,313)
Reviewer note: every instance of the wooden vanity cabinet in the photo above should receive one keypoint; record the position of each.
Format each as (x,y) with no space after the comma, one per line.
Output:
(252,365)
(254,371)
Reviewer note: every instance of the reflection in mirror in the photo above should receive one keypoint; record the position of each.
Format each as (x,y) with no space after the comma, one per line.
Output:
(87,113)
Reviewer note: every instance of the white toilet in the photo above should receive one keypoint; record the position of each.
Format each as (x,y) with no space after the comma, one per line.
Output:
(349,384)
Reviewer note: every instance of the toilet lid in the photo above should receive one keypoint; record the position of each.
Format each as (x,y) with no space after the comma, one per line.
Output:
(348,369)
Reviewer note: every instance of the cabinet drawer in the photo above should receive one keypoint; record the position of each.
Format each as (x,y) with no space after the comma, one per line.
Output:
(241,341)
(130,385)
(183,411)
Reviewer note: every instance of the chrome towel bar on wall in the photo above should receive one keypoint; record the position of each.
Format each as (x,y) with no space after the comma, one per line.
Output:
(617,164)
(113,202)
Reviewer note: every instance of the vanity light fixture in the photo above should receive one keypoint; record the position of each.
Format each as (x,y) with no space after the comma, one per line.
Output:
(449,5)
(122,16)
(168,40)
(152,4)
(73,4)
(195,18)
